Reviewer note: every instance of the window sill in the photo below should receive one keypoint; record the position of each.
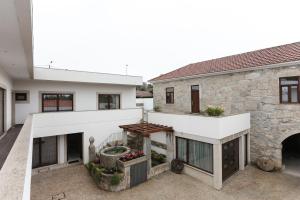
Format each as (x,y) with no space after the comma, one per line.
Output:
(199,170)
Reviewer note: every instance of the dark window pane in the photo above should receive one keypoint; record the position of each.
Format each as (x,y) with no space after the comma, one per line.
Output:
(21,96)
(285,94)
(201,155)
(65,102)
(289,81)
(115,102)
(294,94)
(195,87)
(49,102)
(181,149)
(109,101)
(170,89)
(169,95)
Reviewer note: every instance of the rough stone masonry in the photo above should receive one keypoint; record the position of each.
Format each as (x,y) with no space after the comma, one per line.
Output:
(256,92)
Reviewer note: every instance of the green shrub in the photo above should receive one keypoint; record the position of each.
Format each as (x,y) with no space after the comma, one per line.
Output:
(115,179)
(214,111)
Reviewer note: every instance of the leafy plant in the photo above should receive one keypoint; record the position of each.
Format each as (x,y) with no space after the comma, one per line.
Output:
(115,179)
(157,158)
(214,110)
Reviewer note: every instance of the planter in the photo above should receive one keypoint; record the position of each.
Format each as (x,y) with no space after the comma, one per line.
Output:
(159,169)
(106,183)
(123,165)
(108,158)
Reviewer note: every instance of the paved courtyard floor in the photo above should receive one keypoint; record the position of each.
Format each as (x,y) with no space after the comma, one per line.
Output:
(74,183)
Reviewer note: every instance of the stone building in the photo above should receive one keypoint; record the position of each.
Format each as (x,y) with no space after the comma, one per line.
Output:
(263,82)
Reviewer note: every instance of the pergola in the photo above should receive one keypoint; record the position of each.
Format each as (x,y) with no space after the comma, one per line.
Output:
(146,129)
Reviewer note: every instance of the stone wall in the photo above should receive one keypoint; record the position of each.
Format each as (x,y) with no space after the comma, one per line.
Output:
(256,92)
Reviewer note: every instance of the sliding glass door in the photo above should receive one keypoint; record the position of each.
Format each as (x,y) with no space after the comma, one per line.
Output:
(44,151)
(195,153)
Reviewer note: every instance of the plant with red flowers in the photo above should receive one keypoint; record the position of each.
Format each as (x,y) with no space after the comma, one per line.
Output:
(132,155)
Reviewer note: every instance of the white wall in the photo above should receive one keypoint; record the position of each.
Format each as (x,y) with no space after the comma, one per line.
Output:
(148,103)
(99,124)
(85,97)
(85,77)
(6,83)
(209,127)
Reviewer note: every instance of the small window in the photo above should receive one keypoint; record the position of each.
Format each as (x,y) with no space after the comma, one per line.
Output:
(289,90)
(170,95)
(57,102)
(108,101)
(21,97)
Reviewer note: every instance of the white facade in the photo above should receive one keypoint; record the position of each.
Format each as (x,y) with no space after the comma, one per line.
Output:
(85,95)
(85,77)
(98,124)
(206,127)
(212,130)
(147,103)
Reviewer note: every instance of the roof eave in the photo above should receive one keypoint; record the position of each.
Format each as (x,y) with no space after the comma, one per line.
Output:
(277,65)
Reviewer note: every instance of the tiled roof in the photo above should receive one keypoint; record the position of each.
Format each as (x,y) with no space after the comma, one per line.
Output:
(262,57)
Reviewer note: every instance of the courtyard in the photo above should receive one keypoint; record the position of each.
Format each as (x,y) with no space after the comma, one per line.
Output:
(74,183)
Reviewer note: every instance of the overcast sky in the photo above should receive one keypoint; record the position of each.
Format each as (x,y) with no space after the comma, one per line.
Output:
(156,36)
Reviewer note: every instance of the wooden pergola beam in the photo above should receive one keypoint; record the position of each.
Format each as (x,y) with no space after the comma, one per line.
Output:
(146,128)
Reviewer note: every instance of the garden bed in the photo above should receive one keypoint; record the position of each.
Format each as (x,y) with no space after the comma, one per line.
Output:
(157,159)
(107,179)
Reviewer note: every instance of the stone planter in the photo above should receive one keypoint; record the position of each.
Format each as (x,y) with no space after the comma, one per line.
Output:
(105,183)
(108,160)
(154,171)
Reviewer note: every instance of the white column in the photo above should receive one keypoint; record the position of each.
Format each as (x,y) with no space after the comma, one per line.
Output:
(147,151)
(170,146)
(242,152)
(124,138)
(218,179)
(61,149)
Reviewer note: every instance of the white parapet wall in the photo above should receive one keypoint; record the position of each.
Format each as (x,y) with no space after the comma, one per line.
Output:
(15,175)
(209,127)
(99,124)
(85,77)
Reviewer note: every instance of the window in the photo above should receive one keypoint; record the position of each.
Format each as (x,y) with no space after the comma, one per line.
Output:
(57,102)
(22,97)
(170,95)
(289,90)
(195,153)
(108,101)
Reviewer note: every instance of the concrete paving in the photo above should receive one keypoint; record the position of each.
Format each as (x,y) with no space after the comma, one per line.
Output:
(7,141)
(74,183)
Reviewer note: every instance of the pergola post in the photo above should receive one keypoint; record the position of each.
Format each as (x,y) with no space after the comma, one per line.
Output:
(147,152)
(170,146)
(124,137)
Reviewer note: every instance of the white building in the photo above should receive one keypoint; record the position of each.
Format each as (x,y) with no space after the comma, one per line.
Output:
(62,109)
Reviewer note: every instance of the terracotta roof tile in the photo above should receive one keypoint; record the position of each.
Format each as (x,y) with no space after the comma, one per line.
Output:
(262,57)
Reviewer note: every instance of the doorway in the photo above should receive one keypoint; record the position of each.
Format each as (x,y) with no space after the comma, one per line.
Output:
(195,101)
(230,158)
(74,147)
(2,111)
(291,155)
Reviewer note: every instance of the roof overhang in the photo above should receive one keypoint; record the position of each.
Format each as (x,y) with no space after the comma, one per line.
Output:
(65,75)
(278,65)
(16,49)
